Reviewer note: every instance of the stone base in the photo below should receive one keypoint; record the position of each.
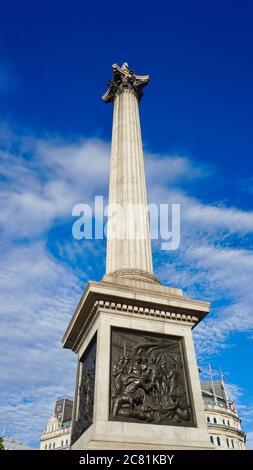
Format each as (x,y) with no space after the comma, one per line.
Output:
(146,308)
(91,440)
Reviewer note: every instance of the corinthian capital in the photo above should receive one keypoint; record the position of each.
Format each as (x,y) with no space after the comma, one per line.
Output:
(124,78)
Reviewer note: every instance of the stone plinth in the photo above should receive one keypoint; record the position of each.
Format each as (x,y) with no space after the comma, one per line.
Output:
(151,326)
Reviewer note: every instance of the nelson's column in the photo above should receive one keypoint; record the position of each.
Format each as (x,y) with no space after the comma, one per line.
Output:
(137,384)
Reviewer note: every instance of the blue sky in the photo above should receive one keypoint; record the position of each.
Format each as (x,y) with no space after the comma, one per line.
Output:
(55,59)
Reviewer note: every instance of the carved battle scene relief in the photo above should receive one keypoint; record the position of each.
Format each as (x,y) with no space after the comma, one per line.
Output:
(148,379)
(86,392)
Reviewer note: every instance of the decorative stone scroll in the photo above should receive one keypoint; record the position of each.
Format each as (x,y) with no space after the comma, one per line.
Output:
(86,392)
(148,379)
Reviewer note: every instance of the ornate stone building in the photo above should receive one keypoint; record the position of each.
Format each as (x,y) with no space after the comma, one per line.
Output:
(57,433)
(223,421)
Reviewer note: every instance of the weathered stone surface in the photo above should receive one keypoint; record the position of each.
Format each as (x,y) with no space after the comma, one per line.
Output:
(128,239)
(105,433)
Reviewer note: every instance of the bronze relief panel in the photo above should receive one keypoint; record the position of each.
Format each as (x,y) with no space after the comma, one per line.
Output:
(149,380)
(86,391)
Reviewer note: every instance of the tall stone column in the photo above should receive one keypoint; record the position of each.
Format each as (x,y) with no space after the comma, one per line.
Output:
(128,239)
(137,381)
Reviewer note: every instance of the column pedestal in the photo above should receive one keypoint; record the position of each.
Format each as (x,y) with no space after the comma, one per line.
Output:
(137,382)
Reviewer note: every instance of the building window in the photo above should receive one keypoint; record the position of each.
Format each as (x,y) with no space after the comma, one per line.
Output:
(228,423)
(46,447)
(224,421)
(208,419)
(49,446)
(215,420)
(54,445)
(218,441)
(62,443)
(211,440)
(232,442)
(67,441)
(227,439)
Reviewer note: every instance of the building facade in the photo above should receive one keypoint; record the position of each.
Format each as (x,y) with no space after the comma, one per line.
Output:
(57,433)
(223,421)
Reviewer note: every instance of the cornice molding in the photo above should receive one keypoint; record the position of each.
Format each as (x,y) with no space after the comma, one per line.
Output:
(132,309)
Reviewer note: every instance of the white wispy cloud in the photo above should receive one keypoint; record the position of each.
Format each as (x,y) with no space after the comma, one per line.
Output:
(41,180)
(38,295)
(164,169)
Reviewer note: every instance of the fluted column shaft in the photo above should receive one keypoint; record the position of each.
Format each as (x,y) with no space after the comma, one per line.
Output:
(130,249)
